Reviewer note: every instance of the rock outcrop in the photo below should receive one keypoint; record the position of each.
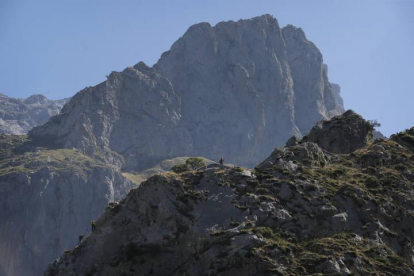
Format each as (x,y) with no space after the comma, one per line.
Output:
(235,90)
(343,134)
(337,94)
(302,211)
(18,116)
(48,197)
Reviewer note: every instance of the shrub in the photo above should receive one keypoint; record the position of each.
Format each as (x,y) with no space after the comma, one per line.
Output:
(195,163)
(180,168)
(191,163)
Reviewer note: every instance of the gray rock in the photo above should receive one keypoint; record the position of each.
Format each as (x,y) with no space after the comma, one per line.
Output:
(292,141)
(318,218)
(237,90)
(18,116)
(342,134)
(48,198)
(337,94)
(378,135)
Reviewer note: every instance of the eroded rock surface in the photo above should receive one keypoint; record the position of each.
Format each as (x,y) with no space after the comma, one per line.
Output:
(18,116)
(302,211)
(48,197)
(237,90)
(343,134)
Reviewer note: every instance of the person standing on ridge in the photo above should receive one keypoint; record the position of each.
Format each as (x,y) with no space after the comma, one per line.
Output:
(80,239)
(93,226)
(221,161)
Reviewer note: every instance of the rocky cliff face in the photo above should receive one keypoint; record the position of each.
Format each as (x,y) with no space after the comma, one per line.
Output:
(48,197)
(302,211)
(18,116)
(337,94)
(343,134)
(235,90)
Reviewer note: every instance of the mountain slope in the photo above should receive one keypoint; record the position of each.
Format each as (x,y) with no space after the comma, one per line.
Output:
(302,211)
(18,116)
(48,196)
(235,90)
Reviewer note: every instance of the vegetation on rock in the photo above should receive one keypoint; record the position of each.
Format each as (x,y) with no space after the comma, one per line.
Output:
(192,163)
(303,211)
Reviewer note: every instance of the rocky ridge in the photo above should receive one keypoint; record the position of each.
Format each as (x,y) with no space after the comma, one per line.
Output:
(304,210)
(236,90)
(18,116)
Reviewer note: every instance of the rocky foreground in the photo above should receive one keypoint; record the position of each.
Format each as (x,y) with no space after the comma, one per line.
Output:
(304,210)
(18,116)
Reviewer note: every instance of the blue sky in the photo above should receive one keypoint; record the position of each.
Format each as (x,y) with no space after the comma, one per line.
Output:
(57,48)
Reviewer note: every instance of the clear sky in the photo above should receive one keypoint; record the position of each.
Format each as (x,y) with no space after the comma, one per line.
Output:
(57,48)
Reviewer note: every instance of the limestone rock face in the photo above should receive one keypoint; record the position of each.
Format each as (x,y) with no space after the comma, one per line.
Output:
(337,94)
(135,113)
(18,116)
(302,211)
(234,90)
(48,198)
(343,134)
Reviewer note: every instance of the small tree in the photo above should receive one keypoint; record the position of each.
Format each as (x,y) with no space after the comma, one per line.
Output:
(195,163)
(372,124)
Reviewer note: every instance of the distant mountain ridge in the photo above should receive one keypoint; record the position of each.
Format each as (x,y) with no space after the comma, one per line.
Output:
(18,116)
(237,90)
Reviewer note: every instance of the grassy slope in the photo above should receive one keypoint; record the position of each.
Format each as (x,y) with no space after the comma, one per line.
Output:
(164,166)
(17,154)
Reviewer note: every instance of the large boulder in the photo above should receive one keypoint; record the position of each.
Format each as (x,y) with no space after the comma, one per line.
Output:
(342,134)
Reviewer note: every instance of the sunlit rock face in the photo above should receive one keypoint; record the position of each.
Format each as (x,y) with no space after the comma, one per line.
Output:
(18,116)
(234,90)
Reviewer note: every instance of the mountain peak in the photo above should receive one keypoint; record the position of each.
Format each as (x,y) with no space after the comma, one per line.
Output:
(237,81)
(36,99)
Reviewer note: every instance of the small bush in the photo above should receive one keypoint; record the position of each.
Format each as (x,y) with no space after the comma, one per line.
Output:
(407,138)
(191,163)
(180,168)
(195,163)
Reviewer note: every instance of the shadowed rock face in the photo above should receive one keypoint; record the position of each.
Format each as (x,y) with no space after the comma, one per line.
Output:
(303,211)
(18,116)
(235,90)
(48,198)
(343,134)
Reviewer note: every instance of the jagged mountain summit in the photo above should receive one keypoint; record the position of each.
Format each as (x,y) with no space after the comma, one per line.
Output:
(302,211)
(19,116)
(237,90)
